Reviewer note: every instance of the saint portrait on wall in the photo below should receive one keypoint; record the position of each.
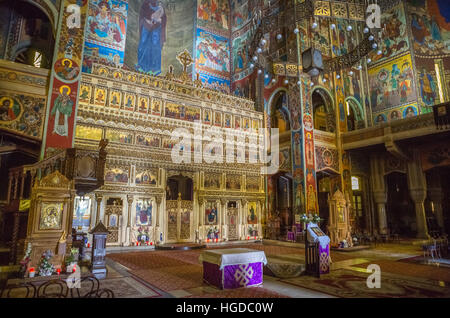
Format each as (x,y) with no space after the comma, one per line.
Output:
(144,209)
(152,36)
(10,109)
(217,119)
(85,94)
(99,98)
(211,213)
(237,122)
(251,217)
(115,99)
(143,105)
(206,116)
(129,101)
(62,110)
(51,216)
(156,106)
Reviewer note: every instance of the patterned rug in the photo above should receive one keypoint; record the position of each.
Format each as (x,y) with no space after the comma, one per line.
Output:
(352,284)
(428,272)
(249,292)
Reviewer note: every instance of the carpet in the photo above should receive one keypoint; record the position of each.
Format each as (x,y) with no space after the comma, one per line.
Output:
(352,284)
(249,292)
(427,272)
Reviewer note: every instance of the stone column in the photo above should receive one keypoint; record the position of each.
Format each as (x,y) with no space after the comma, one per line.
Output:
(418,191)
(98,200)
(379,191)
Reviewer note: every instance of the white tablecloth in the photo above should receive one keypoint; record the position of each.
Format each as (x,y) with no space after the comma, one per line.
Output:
(233,256)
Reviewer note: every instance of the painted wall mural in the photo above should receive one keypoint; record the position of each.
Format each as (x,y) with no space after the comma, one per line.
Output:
(213,54)
(211,213)
(66,71)
(394,34)
(252,217)
(427,83)
(430,27)
(105,33)
(22,114)
(144,209)
(240,13)
(407,111)
(392,83)
(157,32)
(214,14)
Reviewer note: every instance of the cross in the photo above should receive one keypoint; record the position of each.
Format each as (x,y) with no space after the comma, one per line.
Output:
(185,59)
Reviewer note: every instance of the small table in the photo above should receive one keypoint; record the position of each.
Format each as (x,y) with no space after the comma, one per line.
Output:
(233,268)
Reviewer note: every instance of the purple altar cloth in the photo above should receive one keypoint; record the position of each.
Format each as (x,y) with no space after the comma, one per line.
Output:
(233,276)
(324,259)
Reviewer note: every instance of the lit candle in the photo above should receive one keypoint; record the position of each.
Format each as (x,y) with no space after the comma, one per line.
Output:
(31,272)
(151,243)
(248,237)
(58,271)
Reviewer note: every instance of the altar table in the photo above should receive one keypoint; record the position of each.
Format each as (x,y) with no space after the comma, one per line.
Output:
(233,268)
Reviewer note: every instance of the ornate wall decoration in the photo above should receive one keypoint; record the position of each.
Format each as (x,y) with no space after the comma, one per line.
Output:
(65,76)
(211,213)
(212,181)
(22,114)
(146,177)
(327,158)
(51,216)
(116,175)
(87,132)
(252,183)
(233,182)
(144,208)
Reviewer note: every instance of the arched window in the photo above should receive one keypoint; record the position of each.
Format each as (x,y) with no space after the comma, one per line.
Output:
(324,117)
(355,117)
(279,113)
(35,42)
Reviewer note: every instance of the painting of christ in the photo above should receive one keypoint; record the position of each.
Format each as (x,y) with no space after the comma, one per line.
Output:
(152,36)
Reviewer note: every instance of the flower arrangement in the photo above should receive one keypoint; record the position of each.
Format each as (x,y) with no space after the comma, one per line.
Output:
(143,235)
(316,219)
(45,267)
(213,232)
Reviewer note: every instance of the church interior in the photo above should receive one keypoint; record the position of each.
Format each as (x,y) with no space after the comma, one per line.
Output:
(224,148)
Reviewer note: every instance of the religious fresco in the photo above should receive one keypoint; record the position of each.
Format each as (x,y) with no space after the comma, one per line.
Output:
(143,105)
(252,183)
(285,159)
(168,143)
(66,72)
(212,181)
(430,27)
(240,13)
(86,132)
(241,59)
(327,158)
(394,35)
(219,84)
(82,214)
(156,106)
(237,122)
(392,83)
(116,175)
(148,141)
(227,121)
(212,54)
(119,137)
(182,112)
(146,177)
(129,102)
(85,93)
(207,116)
(51,216)
(233,182)
(217,119)
(352,85)
(339,38)
(158,30)
(100,96)
(427,83)
(213,14)
(211,213)
(243,88)
(144,209)
(115,98)
(252,217)
(407,111)
(321,37)
(22,114)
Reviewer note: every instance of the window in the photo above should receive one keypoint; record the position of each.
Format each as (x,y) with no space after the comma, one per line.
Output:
(355,183)
(82,214)
(357,204)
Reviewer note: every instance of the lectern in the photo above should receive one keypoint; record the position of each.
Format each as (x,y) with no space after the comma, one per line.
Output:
(100,234)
